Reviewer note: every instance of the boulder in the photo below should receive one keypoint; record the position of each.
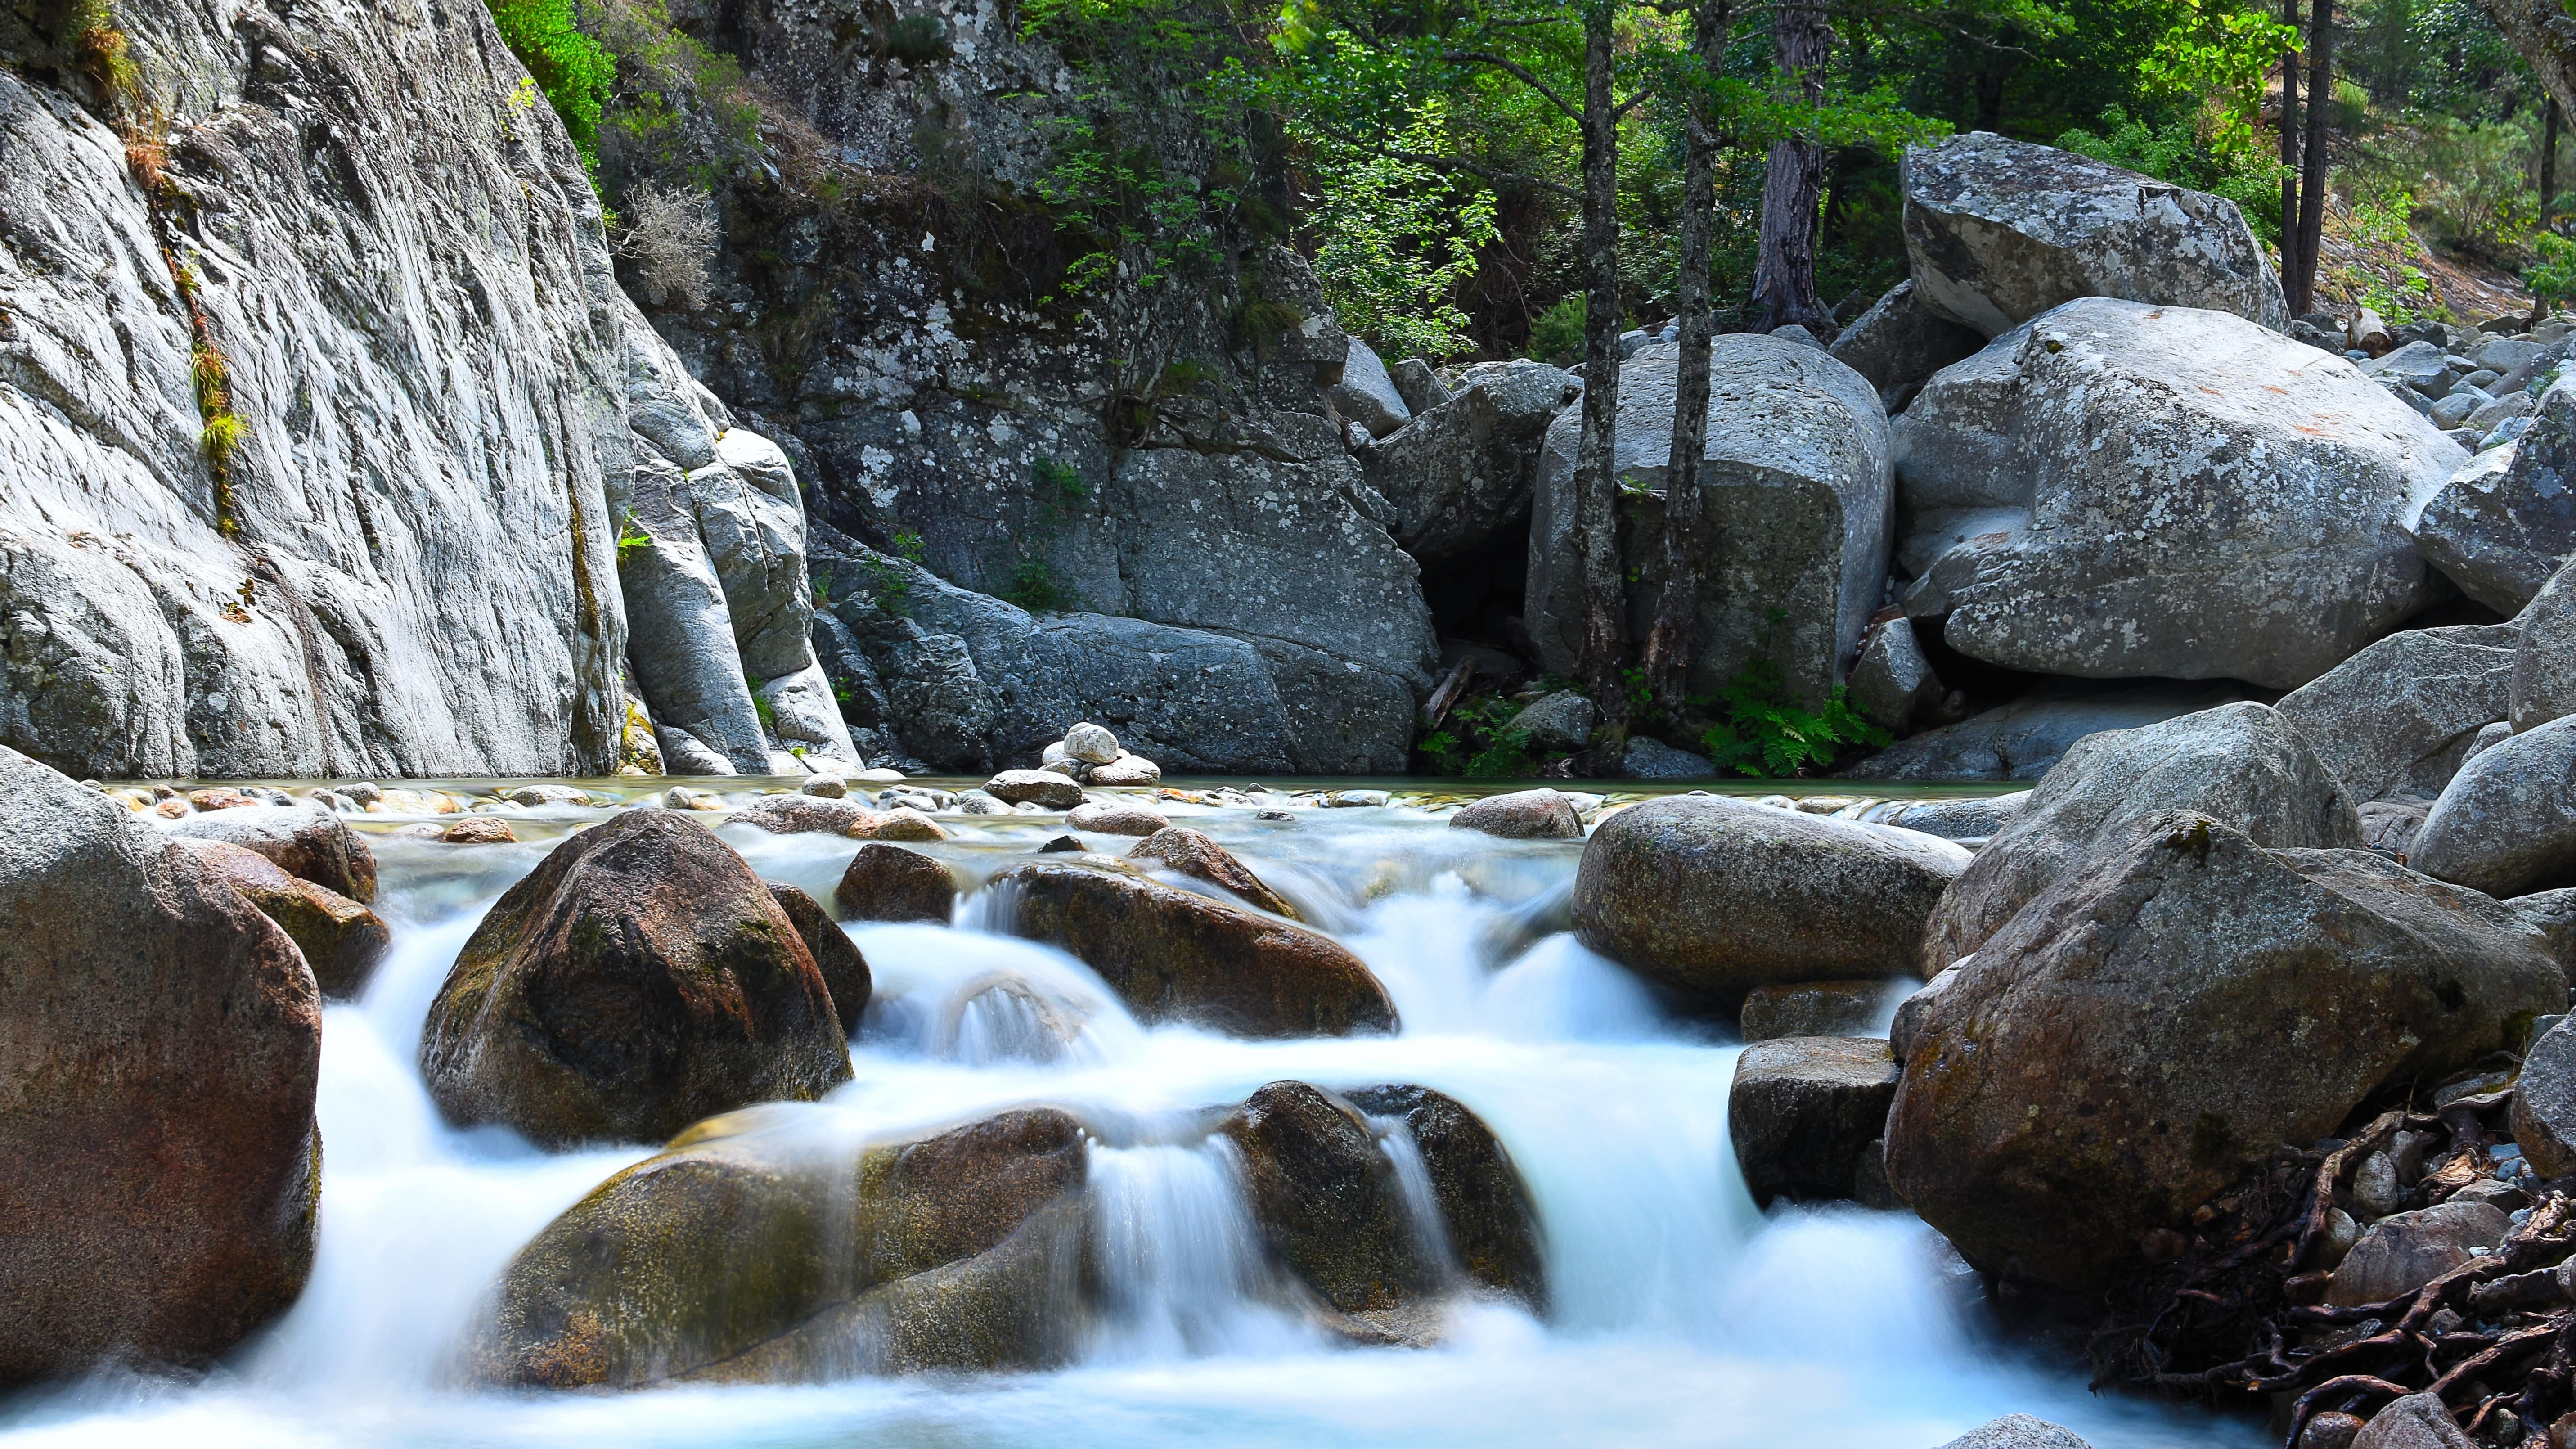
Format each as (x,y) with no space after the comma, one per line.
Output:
(2241,765)
(1974,819)
(801,814)
(1114,817)
(160,1045)
(2400,715)
(1485,1210)
(342,941)
(1795,492)
(2507,522)
(1366,395)
(1127,769)
(1327,1198)
(1811,1008)
(1914,1010)
(2507,823)
(1899,342)
(1803,1109)
(1541,814)
(2017,1431)
(2390,826)
(2404,1251)
(2417,1421)
(734,1257)
(1558,723)
(2023,740)
(479,830)
(2163,492)
(2544,1103)
(2553,915)
(1710,897)
(1092,744)
(313,844)
(1648,758)
(1461,472)
(639,979)
(2149,1027)
(2544,663)
(1419,384)
(836,956)
(1194,854)
(1893,685)
(1175,956)
(1998,231)
(890,883)
(1035,787)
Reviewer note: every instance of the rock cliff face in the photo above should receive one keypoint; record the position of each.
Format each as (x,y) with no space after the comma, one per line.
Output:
(320,408)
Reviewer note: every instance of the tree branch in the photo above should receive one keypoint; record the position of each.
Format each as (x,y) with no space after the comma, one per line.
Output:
(1519,72)
(1488,174)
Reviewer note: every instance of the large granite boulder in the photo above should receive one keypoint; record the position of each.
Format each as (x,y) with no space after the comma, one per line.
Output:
(2242,765)
(1328,1199)
(1795,493)
(160,1045)
(743,1256)
(1486,1217)
(2151,1024)
(1803,1109)
(2506,522)
(1999,231)
(2398,716)
(1366,395)
(314,845)
(2117,490)
(639,979)
(2544,662)
(1899,342)
(1710,897)
(1172,955)
(2507,823)
(2026,738)
(341,940)
(1461,472)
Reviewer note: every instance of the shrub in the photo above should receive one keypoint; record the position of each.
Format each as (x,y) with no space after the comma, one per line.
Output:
(2189,151)
(1766,731)
(575,71)
(1556,335)
(669,236)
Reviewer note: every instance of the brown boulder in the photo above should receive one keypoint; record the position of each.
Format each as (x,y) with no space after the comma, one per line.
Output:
(738,1256)
(1195,855)
(1810,1008)
(341,940)
(160,1042)
(844,967)
(1114,817)
(1485,1209)
(1803,1109)
(2154,1022)
(314,844)
(639,979)
(1327,1198)
(1174,956)
(479,830)
(890,883)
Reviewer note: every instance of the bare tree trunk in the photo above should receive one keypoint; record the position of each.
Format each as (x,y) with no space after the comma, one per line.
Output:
(2290,150)
(2312,184)
(1784,273)
(2549,163)
(2544,35)
(1596,488)
(1668,646)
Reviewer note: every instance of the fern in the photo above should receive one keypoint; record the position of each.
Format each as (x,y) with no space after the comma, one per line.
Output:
(1766,732)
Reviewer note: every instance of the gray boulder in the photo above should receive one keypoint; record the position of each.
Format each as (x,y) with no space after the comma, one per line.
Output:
(1802,1110)
(2553,915)
(1648,758)
(1710,897)
(1999,231)
(2024,739)
(1419,384)
(2544,663)
(2404,1251)
(2108,451)
(2241,765)
(1972,819)
(2507,823)
(1562,721)
(1542,814)
(1809,1008)
(2152,1024)
(1462,470)
(2544,1103)
(1366,395)
(1893,684)
(313,845)
(1794,491)
(2401,714)
(1899,342)
(2017,1431)
(2507,521)
(2417,1421)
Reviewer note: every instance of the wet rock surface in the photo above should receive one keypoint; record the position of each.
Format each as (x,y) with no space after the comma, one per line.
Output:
(844,968)
(890,883)
(1543,814)
(341,940)
(1327,1199)
(1486,1218)
(1817,1008)
(313,844)
(1803,1109)
(1195,854)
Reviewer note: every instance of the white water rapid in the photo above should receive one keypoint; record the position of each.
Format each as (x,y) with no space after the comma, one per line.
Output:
(1680,1315)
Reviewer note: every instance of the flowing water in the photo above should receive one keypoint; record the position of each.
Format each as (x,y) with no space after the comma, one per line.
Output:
(1680,1314)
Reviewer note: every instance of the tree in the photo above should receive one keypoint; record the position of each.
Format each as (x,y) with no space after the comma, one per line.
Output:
(1784,280)
(2290,151)
(2312,183)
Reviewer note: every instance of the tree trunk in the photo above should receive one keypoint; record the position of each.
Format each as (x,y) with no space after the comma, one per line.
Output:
(2544,35)
(2549,164)
(2290,150)
(1668,646)
(2312,184)
(1596,486)
(1784,274)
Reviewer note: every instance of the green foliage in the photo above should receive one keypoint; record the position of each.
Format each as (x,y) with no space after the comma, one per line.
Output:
(1396,239)
(2190,151)
(1767,732)
(2470,184)
(891,581)
(1485,748)
(2384,276)
(575,71)
(630,538)
(2552,279)
(768,712)
(1557,335)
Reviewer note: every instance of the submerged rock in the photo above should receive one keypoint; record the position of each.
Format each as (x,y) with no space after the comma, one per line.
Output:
(1327,1198)
(1485,1210)
(737,1258)
(342,941)
(2507,823)
(160,1046)
(315,845)
(1541,814)
(1196,855)
(2156,1019)
(1175,956)
(639,979)
(844,968)
(1803,1109)
(1711,897)
(2242,765)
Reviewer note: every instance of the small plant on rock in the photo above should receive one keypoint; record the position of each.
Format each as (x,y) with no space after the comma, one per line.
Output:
(669,236)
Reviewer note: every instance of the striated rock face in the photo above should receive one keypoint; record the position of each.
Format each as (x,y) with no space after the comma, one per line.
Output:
(1796,493)
(1999,231)
(160,1044)
(2141,491)
(407,565)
